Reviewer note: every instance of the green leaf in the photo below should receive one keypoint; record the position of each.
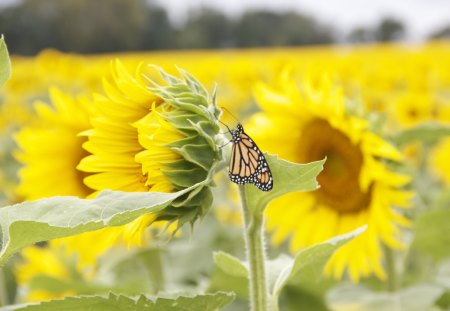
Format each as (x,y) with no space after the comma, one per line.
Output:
(114,302)
(222,281)
(30,222)
(295,298)
(5,64)
(60,286)
(442,278)
(287,177)
(428,132)
(416,298)
(230,264)
(431,233)
(130,273)
(441,199)
(309,263)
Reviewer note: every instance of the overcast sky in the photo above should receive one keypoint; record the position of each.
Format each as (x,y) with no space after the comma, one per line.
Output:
(420,16)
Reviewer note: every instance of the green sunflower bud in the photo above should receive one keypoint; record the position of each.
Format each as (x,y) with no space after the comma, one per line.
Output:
(185,131)
(159,137)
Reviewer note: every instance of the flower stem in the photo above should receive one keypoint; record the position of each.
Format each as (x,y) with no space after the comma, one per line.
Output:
(156,270)
(254,240)
(391,270)
(3,293)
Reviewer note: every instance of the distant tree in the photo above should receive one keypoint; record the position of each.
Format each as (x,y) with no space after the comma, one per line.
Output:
(25,33)
(361,34)
(389,29)
(205,28)
(101,25)
(97,26)
(158,32)
(266,28)
(443,33)
(75,25)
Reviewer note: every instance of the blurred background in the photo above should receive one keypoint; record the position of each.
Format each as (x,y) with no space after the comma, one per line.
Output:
(387,61)
(115,25)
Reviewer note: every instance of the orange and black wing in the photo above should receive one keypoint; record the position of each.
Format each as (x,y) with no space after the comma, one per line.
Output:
(248,165)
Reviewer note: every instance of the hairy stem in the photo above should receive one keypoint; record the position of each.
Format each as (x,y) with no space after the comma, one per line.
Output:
(254,240)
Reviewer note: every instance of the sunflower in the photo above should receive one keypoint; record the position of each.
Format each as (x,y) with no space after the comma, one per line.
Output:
(439,154)
(136,138)
(66,261)
(51,262)
(439,160)
(310,123)
(50,148)
(115,160)
(413,107)
(146,137)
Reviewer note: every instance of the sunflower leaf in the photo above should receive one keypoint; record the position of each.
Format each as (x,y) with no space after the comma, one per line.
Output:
(31,222)
(309,262)
(230,264)
(5,64)
(428,132)
(111,302)
(416,298)
(287,177)
(307,265)
(433,239)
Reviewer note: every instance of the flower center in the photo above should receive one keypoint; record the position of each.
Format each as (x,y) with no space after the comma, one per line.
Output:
(339,181)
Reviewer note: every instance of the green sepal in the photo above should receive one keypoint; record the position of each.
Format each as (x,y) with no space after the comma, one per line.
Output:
(184,178)
(194,114)
(196,154)
(189,207)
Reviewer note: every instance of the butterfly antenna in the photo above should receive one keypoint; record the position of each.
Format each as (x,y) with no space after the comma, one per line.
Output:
(220,147)
(229,130)
(230,113)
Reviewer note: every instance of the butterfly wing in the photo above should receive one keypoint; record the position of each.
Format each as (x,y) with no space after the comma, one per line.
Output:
(248,165)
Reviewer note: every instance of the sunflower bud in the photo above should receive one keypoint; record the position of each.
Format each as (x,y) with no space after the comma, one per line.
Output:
(188,116)
(149,136)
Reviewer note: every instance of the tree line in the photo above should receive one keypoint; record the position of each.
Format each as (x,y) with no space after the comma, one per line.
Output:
(99,26)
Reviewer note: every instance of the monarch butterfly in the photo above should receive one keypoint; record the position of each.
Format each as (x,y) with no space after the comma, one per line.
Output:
(247,163)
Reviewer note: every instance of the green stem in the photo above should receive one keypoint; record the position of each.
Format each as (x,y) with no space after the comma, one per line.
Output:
(3,293)
(391,282)
(159,273)
(254,240)
(155,268)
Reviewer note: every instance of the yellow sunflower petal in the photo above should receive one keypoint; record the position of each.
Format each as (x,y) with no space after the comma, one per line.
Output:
(310,122)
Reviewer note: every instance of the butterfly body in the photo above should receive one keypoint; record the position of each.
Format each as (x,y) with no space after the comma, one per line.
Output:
(247,163)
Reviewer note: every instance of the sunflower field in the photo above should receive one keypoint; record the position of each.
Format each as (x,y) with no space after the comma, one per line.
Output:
(116,193)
